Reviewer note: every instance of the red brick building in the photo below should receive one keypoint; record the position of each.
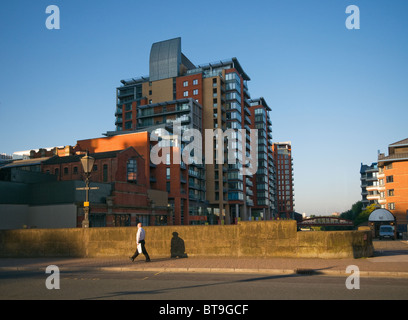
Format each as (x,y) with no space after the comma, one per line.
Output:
(393,182)
(285,187)
(168,177)
(131,200)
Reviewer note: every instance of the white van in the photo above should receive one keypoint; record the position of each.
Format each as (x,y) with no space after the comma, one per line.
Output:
(387,231)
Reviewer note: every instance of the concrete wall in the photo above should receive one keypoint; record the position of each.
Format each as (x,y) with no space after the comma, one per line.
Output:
(53,216)
(13,216)
(247,239)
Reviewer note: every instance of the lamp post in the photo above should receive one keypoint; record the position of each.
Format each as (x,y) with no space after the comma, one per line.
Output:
(87,164)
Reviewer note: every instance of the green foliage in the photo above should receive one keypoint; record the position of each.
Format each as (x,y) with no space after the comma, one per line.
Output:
(355,210)
(363,216)
(357,214)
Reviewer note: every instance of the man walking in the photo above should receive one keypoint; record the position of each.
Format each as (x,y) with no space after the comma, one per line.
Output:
(140,242)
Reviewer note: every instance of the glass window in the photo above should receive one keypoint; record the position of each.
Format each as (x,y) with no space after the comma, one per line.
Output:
(132,170)
(122,220)
(105,173)
(97,220)
(235,196)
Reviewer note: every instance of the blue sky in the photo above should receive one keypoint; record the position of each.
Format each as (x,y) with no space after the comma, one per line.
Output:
(338,95)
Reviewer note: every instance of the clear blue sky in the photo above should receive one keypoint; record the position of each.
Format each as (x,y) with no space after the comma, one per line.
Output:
(338,95)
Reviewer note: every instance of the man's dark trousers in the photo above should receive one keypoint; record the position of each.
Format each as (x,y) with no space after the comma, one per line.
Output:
(142,242)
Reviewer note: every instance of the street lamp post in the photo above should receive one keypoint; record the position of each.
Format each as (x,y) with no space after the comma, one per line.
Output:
(87,164)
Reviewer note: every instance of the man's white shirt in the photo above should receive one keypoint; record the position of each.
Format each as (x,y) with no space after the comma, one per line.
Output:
(140,235)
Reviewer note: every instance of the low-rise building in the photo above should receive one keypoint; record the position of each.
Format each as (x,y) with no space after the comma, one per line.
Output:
(47,192)
(393,182)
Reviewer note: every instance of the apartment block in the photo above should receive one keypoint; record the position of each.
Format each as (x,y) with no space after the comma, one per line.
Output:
(393,181)
(146,169)
(370,193)
(285,181)
(265,200)
(204,97)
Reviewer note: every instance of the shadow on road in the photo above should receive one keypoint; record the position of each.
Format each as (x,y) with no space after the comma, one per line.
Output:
(301,273)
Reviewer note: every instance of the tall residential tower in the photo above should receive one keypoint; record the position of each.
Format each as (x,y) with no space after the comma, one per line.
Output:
(209,96)
(285,184)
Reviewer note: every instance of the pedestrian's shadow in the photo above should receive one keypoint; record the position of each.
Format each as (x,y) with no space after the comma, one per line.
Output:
(178,249)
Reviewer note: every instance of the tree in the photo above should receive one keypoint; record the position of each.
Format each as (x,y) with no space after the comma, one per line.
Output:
(363,215)
(355,210)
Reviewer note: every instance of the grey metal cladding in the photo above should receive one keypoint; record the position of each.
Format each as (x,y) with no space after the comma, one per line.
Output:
(165,59)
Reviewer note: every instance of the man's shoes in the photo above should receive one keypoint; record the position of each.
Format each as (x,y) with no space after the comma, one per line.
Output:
(132,259)
(148,260)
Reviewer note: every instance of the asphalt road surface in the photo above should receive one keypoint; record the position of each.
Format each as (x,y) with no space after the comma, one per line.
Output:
(28,285)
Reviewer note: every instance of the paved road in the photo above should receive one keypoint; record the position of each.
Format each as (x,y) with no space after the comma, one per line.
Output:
(214,279)
(141,285)
(390,251)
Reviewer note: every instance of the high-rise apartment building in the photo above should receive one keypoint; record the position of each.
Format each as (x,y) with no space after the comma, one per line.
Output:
(210,96)
(285,183)
(265,178)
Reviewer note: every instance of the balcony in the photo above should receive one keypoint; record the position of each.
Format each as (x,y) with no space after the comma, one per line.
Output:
(193,185)
(118,112)
(375,188)
(183,119)
(373,197)
(371,178)
(124,93)
(196,174)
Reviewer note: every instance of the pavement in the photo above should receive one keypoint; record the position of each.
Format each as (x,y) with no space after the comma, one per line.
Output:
(390,260)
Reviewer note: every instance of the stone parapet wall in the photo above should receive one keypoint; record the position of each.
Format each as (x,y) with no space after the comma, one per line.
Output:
(247,239)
